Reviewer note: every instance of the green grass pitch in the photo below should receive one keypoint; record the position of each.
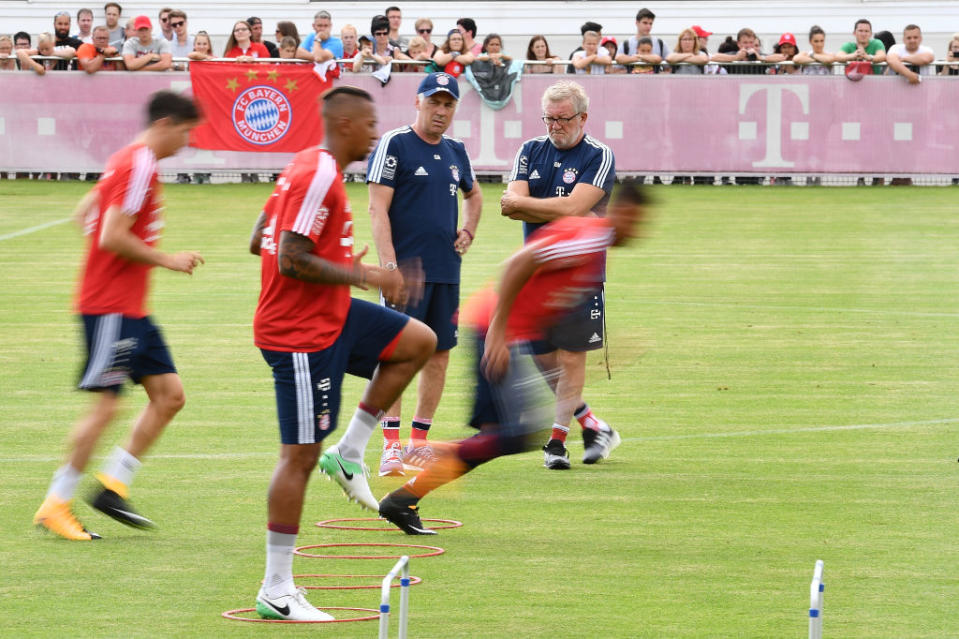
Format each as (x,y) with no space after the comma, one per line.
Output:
(785,374)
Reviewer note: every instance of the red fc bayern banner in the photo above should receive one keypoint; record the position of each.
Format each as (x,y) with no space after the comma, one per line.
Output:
(257,106)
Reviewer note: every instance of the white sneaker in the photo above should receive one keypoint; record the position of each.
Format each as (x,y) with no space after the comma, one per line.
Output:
(599,444)
(292,605)
(350,476)
(391,462)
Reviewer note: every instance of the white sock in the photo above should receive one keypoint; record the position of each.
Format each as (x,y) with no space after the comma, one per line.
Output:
(353,443)
(64,482)
(278,579)
(121,466)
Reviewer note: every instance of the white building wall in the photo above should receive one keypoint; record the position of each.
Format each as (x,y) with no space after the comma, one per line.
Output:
(559,21)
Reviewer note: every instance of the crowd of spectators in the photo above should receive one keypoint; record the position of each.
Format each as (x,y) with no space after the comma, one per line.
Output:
(139,45)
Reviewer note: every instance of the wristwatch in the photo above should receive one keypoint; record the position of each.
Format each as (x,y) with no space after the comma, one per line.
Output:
(390,266)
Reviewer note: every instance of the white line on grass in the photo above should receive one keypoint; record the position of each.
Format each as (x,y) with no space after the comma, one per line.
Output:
(34,229)
(742,433)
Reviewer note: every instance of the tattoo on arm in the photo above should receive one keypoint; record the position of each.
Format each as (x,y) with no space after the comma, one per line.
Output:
(296,260)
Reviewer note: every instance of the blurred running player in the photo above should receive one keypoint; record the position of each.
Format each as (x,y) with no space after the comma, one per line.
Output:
(123,220)
(543,282)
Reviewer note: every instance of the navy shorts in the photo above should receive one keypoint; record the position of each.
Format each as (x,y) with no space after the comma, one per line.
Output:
(439,309)
(521,404)
(579,330)
(308,385)
(121,348)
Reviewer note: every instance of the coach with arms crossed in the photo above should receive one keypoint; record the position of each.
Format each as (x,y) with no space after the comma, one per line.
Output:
(566,172)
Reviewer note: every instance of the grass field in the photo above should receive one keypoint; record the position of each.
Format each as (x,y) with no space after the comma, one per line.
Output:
(785,373)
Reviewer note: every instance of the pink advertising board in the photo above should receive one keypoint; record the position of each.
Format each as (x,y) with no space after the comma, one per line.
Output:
(661,124)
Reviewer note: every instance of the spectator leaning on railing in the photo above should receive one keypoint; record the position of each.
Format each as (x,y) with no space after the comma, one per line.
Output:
(46,46)
(61,29)
(817,39)
(417,51)
(609,43)
(322,45)
(586,26)
(911,59)
(630,53)
(687,51)
(492,51)
(241,47)
(144,52)
(351,47)
(747,50)
(287,50)
(182,43)
(164,17)
(592,60)
(864,47)
(453,56)
(538,49)
(112,12)
(93,56)
(8,61)
(424,29)
(202,47)
(784,51)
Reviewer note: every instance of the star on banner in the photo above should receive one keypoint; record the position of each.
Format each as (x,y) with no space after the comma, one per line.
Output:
(232,84)
(291,86)
(251,75)
(272,75)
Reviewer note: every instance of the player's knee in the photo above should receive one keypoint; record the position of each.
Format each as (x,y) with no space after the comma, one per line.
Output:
(172,402)
(422,339)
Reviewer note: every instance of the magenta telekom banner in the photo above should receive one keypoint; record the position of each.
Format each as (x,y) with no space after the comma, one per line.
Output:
(69,121)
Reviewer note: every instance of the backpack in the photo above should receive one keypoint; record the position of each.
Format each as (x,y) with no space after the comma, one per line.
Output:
(658,45)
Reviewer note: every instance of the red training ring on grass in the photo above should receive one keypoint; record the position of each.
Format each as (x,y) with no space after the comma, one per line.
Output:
(298,551)
(379,581)
(234,616)
(327,523)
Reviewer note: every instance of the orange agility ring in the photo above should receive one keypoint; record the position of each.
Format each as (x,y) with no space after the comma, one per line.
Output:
(234,615)
(329,523)
(379,581)
(299,551)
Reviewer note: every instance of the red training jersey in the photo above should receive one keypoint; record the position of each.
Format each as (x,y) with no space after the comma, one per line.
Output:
(309,200)
(569,254)
(110,283)
(255,50)
(88,51)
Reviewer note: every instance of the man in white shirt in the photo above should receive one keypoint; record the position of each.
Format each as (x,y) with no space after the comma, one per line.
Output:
(182,43)
(910,59)
(85,25)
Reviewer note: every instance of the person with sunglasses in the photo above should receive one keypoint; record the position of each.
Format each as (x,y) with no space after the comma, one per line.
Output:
(424,29)
(182,42)
(164,18)
(566,173)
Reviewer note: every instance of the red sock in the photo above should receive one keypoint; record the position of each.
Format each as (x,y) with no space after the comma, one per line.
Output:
(391,429)
(421,427)
(588,420)
(559,432)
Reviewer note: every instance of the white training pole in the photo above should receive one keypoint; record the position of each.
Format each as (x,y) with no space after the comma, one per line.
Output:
(404,565)
(816,589)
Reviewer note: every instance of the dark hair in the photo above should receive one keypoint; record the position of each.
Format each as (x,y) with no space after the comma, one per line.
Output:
(177,13)
(331,97)
(644,40)
(167,104)
(728,46)
(645,13)
(288,30)
(378,23)
(491,36)
(911,27)
(861,21)
(629,191)
(469,25)
(388,9)
(253,20)
(887,39)
(22,35)
(814,30)
(113,4)
(590,26)
(529,48)
(82,11)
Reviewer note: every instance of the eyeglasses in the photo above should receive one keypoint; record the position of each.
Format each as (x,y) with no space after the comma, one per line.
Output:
(424,31)
(167,19)
(381,33)
(241,29)
(177,24)
(548,121)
